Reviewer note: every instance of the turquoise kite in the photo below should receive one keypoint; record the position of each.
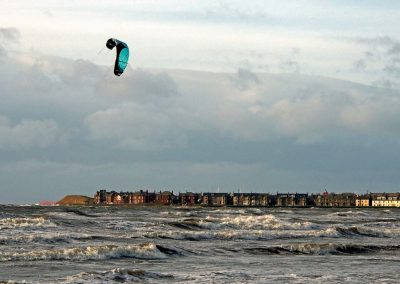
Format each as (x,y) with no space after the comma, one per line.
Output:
(121,61)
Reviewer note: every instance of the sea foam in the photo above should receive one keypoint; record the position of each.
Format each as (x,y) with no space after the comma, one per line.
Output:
(267,221)
(142,251)
(117,275)
(38,222)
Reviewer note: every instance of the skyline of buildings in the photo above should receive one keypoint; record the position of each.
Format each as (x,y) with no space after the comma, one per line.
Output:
(294,199)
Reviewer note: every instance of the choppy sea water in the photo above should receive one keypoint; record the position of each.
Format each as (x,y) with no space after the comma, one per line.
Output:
(198,245)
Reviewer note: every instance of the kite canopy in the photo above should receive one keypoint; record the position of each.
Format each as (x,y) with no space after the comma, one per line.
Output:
(121,61)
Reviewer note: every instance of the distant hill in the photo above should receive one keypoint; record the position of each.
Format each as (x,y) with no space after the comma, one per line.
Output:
(76,200)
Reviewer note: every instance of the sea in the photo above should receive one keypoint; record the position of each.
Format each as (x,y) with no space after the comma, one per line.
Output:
(198,245)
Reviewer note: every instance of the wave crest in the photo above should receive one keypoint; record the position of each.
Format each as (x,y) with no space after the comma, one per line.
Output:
(142,251)
(321,249)
(369,232)
(243,234)
(117,275)
(263,222)
(45,238)
(11,223)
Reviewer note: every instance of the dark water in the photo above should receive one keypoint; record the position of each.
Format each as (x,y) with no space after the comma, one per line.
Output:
(198,245)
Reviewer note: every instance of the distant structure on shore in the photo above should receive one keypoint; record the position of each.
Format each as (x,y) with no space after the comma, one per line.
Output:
(141,197)
(75,200)
(47,203)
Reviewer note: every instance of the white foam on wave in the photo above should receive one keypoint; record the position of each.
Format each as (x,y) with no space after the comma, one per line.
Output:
(142,251)
(42,238)
(267,221)
(118,275)
(313,248)
(38,222)
(15,282)
(349,213)
(285,211)
(179,213)
(65,215)
(272,235)
(123,225)
(378,232)
(229,211)
(255,210)
(321,248)
(296,278)
(244,234)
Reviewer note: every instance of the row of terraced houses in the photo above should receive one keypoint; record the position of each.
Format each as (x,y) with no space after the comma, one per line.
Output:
(145,197)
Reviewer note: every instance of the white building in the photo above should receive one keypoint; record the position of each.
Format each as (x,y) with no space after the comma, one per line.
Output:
(386,200)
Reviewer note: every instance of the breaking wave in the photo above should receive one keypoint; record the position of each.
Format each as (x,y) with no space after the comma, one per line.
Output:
(14,282)
(321,249)
(142,251)
(267,221)
(46,238)
(80,213)
(188,224)
(125,225)
(118,275)
(39,222)
(243,234)
(349,213)
(369,232)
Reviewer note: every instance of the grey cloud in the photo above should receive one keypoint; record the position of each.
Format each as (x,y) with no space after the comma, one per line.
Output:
(3,52)
(360,64)
(36,72)
(374,41)
(11,34)
(370,55)
(290,66)
(394,49)
(245,79)
(197,123)
(86,68)
(50,94)
(393,69)
(383,83)
(81,72)
(161,110)
(311,113)
(130,126)
(319,117)
(69,72)
(30,134)
(383,53)
(139,85)
(7,35)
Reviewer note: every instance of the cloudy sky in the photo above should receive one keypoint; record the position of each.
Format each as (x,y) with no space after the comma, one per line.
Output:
(252,96)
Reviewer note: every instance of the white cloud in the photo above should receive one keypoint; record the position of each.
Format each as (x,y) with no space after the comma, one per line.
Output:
(30,133)
(162,109)
(131,127)
(244,106)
